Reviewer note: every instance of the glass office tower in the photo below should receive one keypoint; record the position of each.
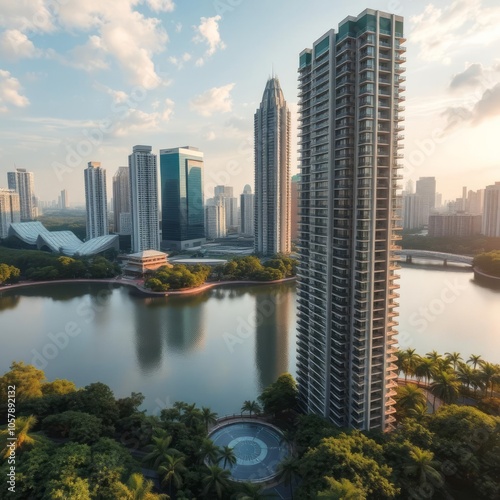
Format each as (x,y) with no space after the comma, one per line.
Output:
(181,171)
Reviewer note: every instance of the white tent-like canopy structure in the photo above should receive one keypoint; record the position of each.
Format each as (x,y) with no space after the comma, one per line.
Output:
(64,242)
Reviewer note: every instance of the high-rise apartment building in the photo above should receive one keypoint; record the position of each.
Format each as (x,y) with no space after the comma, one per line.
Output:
(247,199)
(64,200)
(182,207)
(10,210)
(461,225)
(475,202)
(23,182)
(143,178)
(231,204)
(350,95)
(96,200)
(215,218)
(294,210)
(272,172)
(491,211)
(412,211)
(121,201)
(426,189)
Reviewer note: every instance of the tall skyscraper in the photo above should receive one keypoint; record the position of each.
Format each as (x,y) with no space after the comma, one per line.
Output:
(350,89)
(215,218)
(491,211)
(247,200)
(64,200)
(23,182)
(96,200)
(182,197)
(426,189)
(475,202)
(413,217)
(143,177)
(10,210)
(231,204)
(294,211)
(272,172)
(121,201)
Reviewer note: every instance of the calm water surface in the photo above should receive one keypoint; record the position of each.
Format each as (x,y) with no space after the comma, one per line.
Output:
(219,348)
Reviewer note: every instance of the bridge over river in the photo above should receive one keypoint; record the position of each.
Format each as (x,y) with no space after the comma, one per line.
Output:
(427,254)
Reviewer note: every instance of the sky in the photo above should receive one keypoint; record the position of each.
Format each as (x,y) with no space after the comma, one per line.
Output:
(86,81)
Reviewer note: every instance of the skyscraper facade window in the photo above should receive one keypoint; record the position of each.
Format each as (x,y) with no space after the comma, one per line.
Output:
(144,199)
(350,124)
(10,210)
(272,172)
(183,224)
(96,201)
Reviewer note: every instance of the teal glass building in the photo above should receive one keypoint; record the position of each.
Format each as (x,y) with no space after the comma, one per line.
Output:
(181,171)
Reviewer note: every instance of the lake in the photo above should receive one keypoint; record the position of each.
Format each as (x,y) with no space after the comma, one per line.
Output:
(223,346)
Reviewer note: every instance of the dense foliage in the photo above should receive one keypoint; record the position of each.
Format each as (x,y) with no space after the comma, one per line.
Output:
(86,444)
(39,266)
(488,262)
(241,268)
(9,274)
(176,277)
(470,245)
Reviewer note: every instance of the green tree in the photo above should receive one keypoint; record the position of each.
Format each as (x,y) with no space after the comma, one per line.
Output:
(209,451)
(26,378)
(474,360)
(75,425)
(288,470)
(9,273)
(489,374)
(171,471)
(445,387)
(159,449)
(58,386)
(216,482)
(22,431)
(341,490)
(137,488)
(424,369)
(251,407)
(425,469)
(454,357)
(227,456)
(280,396)
(408,397)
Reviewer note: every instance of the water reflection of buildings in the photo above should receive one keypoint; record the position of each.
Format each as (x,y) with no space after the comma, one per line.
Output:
(148,333)
(176,322)
(9,302)
(272,310)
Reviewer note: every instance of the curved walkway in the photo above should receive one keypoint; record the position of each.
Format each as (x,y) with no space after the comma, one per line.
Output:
(138,284)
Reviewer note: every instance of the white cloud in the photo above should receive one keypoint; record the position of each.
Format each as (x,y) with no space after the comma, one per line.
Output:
(88,57)
(199,62)
(161,5)
(178,27)
(210,135)
(10,92)
(443,32)
(16,45)
(214,100)
(179,61)
(118,96)
(208,32)
(32,15)
(136,120)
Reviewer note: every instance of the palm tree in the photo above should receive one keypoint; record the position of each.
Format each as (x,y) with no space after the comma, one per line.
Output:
(424,369)
(409,396)
(465,375)
(171,471)
(208,416)
(159,449)
(489,375)
(454,357)
(411,359)
(474,360)
(24,439)
(216,481)
(251,406)
(227,455)
(445,387)
(423,467)
(287,470)
(249,491)
(138,488)
(434,355)
(419,412)
(209,451)
(191,415)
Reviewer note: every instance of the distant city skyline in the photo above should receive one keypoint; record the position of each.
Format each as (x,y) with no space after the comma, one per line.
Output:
(197,79)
